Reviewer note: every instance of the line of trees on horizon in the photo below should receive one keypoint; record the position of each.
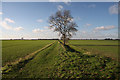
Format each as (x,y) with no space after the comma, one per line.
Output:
(61,39)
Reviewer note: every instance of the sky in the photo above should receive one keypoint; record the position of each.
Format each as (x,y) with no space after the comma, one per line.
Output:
(60,0)
(30,19)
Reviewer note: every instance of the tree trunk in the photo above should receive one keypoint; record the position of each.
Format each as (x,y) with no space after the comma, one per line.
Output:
(64,39)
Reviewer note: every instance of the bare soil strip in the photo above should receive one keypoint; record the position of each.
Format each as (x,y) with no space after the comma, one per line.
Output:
(26,58)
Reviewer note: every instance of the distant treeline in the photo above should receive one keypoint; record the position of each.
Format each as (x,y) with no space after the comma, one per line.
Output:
(96,39)
(59,39)
(29,39)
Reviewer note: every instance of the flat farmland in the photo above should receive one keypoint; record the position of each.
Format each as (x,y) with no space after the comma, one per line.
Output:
(15,49)
(41,66)
(107,48)
(51,59)
(93,42)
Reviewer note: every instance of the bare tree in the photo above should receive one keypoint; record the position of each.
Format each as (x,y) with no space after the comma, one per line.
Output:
(63,23)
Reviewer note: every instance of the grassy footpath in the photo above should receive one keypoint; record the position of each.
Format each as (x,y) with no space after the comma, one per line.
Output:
(57,62)
(43,64)
(15,49)
(74,64)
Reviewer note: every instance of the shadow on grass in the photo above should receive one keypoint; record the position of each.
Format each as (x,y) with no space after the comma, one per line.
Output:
(15,68)
(68,48)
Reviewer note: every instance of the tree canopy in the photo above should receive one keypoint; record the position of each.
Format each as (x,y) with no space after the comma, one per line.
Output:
(63,22)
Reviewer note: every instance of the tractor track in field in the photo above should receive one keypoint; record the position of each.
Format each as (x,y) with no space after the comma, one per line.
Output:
(22,61)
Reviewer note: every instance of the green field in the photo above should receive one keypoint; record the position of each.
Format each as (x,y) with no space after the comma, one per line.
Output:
(93,42)
(13,50)
(54,60)
(107,48)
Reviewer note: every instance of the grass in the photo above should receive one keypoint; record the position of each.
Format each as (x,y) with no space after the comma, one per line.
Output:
(57,61)
(15,49)
(93,42)
(74,64)
(101,47)
(39,67)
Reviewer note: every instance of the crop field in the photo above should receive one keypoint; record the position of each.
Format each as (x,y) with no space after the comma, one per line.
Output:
(107,48)
(13,50)
(50,59)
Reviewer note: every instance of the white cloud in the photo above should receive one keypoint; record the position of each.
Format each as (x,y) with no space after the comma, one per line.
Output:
(37,30)
(8,27)
(87,25)
(92,6)
(5,25)
(104,28)
(60,1)
(18,28)
(1,13)
(45,33)
(45,30)
(9,20)
(65,1)
(89,34)
(60,7)
(113,9)
(46,27)
(40,20)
